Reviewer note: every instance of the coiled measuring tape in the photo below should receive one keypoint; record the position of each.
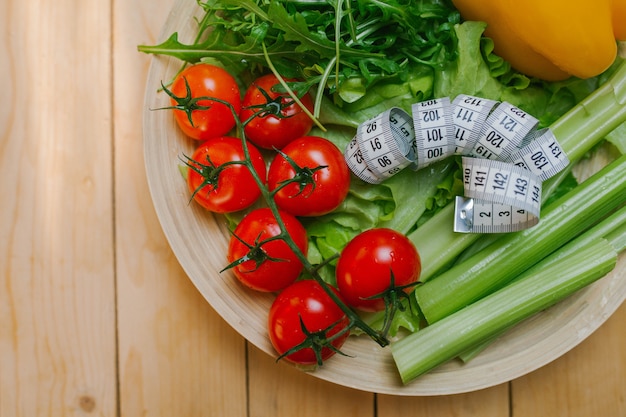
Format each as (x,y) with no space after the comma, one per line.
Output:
(382,146)
(505,158)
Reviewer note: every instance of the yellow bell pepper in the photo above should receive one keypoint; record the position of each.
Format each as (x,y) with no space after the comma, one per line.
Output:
(552,39)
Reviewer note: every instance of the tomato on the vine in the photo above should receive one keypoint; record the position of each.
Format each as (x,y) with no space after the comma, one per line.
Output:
(224,188)
(210,118)
(268,130)
(306,302)
(260,262)
(365,266)
(322,178)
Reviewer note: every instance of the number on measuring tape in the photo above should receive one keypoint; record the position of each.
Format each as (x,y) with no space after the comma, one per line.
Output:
(505,157)
(434,129)
(503,132)
(502,183)
(542,156)
(382,147)
(468,116)
(505,197)
(356,162)
(477,216)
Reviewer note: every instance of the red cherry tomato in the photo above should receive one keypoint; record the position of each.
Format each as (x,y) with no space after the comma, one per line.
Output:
(308,301)
(205,80)
(234,188)
(331,180)
(280,266)
(365,264)
(270,131)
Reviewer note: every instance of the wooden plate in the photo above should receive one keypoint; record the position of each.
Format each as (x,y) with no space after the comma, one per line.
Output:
(199,241)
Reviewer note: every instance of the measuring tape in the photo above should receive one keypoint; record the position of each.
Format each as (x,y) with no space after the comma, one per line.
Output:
(382,146)
(469,116)
(505,157)
(432,121)
(503,132)
(499,197)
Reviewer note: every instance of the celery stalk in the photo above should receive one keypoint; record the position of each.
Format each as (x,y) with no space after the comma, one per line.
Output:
(594,117)
(437,242)
(612,229)
(577,131)
(561,221)
(423,350)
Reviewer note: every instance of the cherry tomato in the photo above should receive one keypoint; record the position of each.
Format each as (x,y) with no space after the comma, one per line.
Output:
(270,131)
(205,80)
(365,264)
(226,190)
(306,300)
(273,265)
(327,173)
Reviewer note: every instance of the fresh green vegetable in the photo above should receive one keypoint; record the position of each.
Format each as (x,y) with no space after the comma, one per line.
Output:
(358,58)
(491,269)
(582,262)
(578,131)
(613,229)
(343,46)
(368,206)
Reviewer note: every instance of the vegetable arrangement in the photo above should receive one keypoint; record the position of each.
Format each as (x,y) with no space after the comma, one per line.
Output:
(310,73)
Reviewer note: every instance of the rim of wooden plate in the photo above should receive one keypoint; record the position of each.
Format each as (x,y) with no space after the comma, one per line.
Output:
(199,241)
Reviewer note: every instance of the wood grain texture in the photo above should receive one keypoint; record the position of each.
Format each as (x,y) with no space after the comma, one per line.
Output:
(96,315)
(280,390)
(176,355)
(490,402)
(588,381)
(199,241)
(57,299)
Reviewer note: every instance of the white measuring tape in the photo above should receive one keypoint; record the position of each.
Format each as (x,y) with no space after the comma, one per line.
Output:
(382,146)
(505,158)
(432,121)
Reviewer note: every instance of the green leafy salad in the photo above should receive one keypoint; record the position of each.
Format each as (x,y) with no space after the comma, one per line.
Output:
(360,58)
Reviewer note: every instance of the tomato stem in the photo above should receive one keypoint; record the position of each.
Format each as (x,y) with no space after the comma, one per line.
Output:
(255,253)
(303,176)
(272,106)
(258,255)
(317,341)
(270,64)
(392,296)
(354,320)
(188,103)
(209,172)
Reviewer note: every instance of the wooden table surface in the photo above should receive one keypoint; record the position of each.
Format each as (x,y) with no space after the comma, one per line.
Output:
(96,315)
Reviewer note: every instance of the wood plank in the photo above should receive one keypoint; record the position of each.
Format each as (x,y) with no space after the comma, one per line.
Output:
(590,380)
(57,300)
(177,356)
(491,402)
(280,390)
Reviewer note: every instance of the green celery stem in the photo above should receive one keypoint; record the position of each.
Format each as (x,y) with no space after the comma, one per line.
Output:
(421,351)
(561,221)
(577,131)
(594,117)
(437,242)
(613,229)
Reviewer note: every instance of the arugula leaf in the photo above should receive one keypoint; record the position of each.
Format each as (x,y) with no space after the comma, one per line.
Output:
(295,28)
(341,47)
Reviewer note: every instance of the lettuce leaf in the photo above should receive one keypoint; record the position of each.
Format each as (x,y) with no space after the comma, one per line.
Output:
(408,199)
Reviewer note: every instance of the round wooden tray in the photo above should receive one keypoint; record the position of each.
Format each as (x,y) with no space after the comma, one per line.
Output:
(199,241)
